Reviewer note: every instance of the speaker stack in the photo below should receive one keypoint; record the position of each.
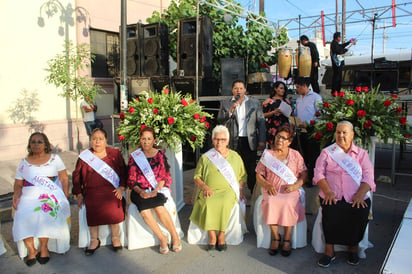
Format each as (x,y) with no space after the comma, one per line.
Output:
(185,80)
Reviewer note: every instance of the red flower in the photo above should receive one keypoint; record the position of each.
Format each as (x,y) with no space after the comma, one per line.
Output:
(398,110)
(358,89)
(407,135)
(341,94)
(387,103)
(394,96)
(203,119)
(335,94)
(207,125)
(317,113)
(350,102)
(196,116)
(312,122)
(155,111)
(122,116)
(365,89)
(131,110)
(193,138)
(326,104)
(329,126)
(184,102)
(142,126)
(318,135)
(166,91)
(367,124)
(361,113)
(121,138)
(170,120)
(191,101)
(402,120)
(150,100)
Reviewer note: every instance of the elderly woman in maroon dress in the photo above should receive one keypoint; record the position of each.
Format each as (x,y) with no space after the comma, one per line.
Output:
(99,181)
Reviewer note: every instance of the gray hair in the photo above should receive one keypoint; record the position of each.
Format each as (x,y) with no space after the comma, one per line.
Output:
(346,123)
(220,128)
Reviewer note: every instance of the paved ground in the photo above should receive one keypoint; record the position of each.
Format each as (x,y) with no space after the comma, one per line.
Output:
(390,201)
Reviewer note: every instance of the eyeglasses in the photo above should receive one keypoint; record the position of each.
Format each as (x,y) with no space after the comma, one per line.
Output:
(280,137)
(37,142)
(220,139)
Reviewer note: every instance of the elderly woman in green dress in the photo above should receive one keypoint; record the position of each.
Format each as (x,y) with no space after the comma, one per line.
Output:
(220,175)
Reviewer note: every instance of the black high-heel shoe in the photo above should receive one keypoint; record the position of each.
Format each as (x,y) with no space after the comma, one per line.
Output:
(42,260)
(90,252)
(273,252)
(30,262)
(116,248)
(286,252)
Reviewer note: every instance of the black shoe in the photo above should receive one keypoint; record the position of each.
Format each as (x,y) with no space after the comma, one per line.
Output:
(273,252)
(30,262)
(286,252)
(222,247)
(353,258)
(90,252)
(42,260)
(211,247)
(326,260)
(117,248)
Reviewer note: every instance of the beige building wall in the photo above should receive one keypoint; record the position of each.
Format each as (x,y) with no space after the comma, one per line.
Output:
(27,45)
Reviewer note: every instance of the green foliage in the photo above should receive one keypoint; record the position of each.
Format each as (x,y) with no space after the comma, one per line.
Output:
(176,119)
(370,112)
(21,111)
(230,39)
(64,72)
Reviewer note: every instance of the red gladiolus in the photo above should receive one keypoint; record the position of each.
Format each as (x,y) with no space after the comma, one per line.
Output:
(170,120)
(358,89)
(131,110)
(326,104)
(367,124)
(329,126)
(365,89)
(196,116)
(394,96)
(341,94)
(361,113)
(155,111)
(166,91)
(150,100)
(402,120)
(184,102)
(350,102)
(312,122)
(335,94)
(407,135)
(207,125)
(122,116)
(387,103)
(398,110)
(121,138)
(142,127)
(193,138)
(318,135)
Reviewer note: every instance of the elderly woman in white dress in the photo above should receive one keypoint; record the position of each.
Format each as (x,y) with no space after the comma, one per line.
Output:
(40,200)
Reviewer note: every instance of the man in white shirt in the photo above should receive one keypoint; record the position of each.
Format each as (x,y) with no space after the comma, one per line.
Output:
(88,110)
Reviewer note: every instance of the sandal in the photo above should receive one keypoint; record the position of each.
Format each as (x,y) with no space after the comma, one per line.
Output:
(286,252)
(177,248)
(273,252)
(164,250)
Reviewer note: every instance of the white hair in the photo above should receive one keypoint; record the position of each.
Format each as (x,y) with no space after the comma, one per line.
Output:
(346,123)
(220,128)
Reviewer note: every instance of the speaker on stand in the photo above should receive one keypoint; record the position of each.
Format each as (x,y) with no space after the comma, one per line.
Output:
(155,50)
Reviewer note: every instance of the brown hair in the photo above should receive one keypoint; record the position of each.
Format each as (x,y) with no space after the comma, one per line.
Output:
(47,149)
(101,130)
(148,129)
(286,129)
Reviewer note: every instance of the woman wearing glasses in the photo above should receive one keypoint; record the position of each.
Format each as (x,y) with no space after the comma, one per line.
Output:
(40,200)
(281,172)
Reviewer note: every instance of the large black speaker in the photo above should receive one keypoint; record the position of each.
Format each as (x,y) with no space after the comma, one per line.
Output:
(186,49)
(134,50)
(155,50)
(187,84)
(232,69)
(159,82)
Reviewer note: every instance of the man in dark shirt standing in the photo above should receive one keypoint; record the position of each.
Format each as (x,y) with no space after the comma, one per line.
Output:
(337,51)
(314,54)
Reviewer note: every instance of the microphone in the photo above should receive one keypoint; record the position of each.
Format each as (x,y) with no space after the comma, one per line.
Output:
(237,98)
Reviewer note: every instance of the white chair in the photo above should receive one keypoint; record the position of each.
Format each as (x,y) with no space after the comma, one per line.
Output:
(105,235)
(2,248)
(318,239)
(235,230)
(263,233)
(139,234)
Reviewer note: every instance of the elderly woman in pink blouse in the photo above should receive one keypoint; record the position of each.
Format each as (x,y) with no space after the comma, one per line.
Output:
(344,175)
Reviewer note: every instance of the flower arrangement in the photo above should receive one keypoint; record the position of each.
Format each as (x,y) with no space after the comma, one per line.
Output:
(370,112)
(176,119)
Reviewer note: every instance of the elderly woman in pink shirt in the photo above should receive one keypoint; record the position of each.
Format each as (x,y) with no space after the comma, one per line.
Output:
(344,174)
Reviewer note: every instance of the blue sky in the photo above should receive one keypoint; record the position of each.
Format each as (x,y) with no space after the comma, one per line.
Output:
(398,38)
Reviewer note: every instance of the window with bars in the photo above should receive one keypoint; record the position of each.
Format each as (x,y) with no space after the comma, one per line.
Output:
(105,46)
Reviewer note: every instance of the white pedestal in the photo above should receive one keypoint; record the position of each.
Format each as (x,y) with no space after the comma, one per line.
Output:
(175,160)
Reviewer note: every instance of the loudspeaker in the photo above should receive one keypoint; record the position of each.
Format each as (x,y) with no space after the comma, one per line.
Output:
(138,85)
(187,84)
(386,79)
(159,82)
(155,50)
(186,49)
(134,50)
(232,69)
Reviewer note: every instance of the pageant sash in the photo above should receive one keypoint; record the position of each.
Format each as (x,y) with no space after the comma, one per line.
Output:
(346,162)
(225,168)
(100,167)
(277,167)
(141,161)
(53,191)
